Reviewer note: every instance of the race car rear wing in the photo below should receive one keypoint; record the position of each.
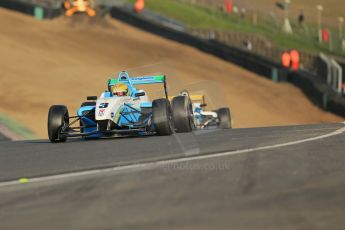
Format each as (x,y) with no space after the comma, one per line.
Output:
(143,80)
(197,97)
(194,98)
(139,80)
(157,79)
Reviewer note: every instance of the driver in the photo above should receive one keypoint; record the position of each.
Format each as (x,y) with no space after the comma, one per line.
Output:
(119,89)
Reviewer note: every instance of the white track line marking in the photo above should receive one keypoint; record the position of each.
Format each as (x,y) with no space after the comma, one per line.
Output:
(150,165)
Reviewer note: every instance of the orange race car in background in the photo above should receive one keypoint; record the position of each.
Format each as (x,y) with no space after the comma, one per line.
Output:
(73,6)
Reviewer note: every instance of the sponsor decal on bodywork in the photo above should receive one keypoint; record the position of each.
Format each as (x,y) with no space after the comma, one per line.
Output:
(101,112)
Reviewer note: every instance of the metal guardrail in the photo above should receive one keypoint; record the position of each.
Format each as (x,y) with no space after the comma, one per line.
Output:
(32,7)
(44,3)
(259,45)
(337,73)
(334,73)
(158,18)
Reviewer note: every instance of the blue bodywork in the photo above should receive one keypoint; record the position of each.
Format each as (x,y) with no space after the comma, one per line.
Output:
(128,118)
(86,120)
(198,110)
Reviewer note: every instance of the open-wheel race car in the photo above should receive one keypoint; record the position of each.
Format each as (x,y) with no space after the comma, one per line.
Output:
(123,110)
(220,118)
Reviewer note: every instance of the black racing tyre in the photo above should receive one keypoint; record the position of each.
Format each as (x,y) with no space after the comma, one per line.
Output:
(224,117)
(183,114)
(162,117)
(57,119)
(88,103)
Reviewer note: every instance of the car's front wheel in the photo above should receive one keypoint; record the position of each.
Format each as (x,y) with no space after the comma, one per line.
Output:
(58,119)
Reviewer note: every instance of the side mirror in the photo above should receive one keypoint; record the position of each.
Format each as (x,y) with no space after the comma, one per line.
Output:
(203,105)
(140,94)
(91,98)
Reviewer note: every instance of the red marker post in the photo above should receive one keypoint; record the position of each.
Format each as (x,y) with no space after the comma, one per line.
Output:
(325,35)
(139,6)
(286,60)
(228,6)
(295,60)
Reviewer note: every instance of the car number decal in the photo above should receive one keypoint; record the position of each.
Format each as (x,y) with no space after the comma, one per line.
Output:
(103,105)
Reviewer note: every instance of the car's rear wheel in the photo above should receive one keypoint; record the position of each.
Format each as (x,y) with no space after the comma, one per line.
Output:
(162,117)
(224,117)
(58,119)
(183,114)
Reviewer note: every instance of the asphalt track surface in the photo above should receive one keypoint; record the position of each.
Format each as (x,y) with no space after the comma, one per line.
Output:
(262,178)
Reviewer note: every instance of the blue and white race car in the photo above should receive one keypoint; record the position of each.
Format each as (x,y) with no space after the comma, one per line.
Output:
(123,110)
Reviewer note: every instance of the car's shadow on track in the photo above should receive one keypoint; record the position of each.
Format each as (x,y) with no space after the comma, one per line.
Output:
(196,132)
(80,140)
